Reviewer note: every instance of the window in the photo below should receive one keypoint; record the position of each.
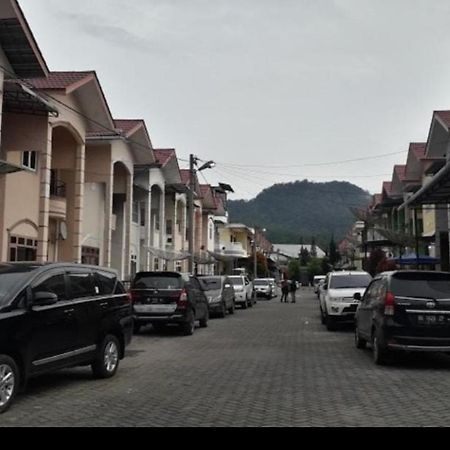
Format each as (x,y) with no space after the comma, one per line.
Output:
(169,230)
(143,217)
(178,267)
(81,285)
(106,281)
(55,284)
(210,231)
(90,255)
(156,264)
(22,249)
(29,160)
(133,268)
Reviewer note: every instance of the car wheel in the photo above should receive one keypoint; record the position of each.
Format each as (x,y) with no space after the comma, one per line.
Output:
(204,322)
(322,316)
(359,341)
(330,323)
(9,382)
(106,362)
(188,328)
(380,353)
(223,312)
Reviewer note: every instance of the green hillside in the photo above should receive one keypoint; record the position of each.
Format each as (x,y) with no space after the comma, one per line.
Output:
(301,210)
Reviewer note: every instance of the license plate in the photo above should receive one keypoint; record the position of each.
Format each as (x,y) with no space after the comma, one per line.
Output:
(432,319)
(157,309)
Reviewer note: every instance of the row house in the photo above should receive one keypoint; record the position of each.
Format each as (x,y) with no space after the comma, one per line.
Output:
(410,216)
(77,185)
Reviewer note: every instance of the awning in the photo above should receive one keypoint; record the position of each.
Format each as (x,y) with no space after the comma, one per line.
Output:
(435,192)
(167,255)
(6,167)
(411,258)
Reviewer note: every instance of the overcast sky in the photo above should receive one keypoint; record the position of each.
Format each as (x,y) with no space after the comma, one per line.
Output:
(270,83)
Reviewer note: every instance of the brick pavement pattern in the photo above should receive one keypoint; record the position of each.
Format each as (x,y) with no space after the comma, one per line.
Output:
(272,365)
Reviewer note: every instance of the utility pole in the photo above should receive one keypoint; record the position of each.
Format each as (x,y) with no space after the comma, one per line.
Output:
(192,161)
(255,262)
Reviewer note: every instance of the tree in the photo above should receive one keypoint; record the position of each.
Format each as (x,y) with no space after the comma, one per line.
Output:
(294,272)
(333,253)
(325,266)
(314,268)
(304,256)
(375,259)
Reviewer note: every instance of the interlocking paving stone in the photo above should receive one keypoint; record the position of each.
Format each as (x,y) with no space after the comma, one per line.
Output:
(272,365)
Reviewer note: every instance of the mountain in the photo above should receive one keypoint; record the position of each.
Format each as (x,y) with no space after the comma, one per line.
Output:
(302,209)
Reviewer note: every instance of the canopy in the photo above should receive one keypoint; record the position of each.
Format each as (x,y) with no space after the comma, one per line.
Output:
(411,258)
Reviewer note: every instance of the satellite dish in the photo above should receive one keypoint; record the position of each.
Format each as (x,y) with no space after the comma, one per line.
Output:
(63,230)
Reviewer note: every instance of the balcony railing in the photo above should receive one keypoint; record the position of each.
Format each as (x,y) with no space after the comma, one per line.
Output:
(57,189)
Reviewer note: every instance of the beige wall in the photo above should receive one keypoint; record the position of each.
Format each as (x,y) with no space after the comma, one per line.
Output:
(22,190)
(429,220)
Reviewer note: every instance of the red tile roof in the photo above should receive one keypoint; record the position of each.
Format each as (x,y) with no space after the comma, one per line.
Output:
(164,155)
(400,171)
(60,80)
(185,176)
(444,116)
(419,149)
(127,126)
(387,186)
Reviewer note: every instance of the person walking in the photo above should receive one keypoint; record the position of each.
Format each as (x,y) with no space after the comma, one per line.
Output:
(293,290)
(284,291)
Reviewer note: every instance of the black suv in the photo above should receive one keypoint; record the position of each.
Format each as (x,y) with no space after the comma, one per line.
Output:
(54,316)
(163,298)
(405,310)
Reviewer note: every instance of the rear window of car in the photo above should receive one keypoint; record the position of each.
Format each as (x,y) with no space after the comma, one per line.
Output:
(431,285)
(350,281)
(237,281)
(151,281)
(261,282)
(210,284)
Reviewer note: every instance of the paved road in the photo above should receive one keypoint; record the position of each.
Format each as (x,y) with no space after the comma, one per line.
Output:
(273,365)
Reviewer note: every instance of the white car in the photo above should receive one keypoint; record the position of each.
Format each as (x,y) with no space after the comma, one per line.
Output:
(316,281)
(243,290)
(337,302)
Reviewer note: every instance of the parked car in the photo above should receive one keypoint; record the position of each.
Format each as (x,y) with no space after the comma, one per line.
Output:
(316,281)
(220,294)
(320,288)
(263,287)
(243,291)
(54,316)
(407,310)
(167,298)
(337,302)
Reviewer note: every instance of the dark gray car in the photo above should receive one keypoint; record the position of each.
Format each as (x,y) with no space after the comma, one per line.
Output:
(220,294)
(405,310)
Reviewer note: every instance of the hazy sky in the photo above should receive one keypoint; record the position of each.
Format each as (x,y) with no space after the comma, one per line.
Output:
(271,83)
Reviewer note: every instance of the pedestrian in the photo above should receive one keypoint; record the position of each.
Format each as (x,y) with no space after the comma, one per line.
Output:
(293,290)
(284,291)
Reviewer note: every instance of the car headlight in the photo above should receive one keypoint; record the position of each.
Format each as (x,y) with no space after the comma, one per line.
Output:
(336,299)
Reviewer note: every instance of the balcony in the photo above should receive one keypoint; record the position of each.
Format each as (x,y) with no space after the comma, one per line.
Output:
(58,201)
(234,250)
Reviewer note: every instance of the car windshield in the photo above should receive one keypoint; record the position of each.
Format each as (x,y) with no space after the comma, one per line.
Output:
(237,281)
(150,281)
(211,284)
(261,282)
(428,285)
(9,283)
(350,281)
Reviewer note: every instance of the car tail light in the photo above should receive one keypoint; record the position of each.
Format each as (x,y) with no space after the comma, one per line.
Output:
(182,302)
(389,304)
(133,296)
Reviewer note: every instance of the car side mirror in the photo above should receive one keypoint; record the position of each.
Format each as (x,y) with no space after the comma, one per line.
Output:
(44,299)
(357,296)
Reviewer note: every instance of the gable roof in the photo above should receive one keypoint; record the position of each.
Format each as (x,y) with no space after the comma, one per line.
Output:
(419,149)
(444,116)
(164,155)
(400,171)
(67,81)
(18,43)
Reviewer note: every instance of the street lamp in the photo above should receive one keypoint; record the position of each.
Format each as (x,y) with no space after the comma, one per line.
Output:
(193,160)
